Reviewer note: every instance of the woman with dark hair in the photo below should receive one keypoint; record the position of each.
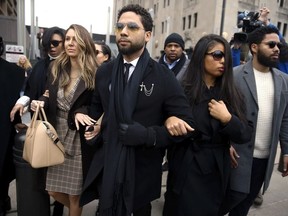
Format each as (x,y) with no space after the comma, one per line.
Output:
(199,168)
(103,52)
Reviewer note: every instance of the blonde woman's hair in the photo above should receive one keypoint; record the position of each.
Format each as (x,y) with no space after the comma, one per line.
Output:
(27,65)
(87,60)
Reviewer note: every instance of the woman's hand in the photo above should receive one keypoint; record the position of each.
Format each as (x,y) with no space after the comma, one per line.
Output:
(83,119)
(91,131)
(35,103)
(218,110)
(234,156)
(177,127)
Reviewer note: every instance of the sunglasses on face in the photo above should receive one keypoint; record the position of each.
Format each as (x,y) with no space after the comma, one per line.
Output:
(217,55)
(272,44)
(99,51)
(55,43)
(130,25)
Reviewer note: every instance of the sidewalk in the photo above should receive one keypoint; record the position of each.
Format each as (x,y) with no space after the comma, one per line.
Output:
(275,200)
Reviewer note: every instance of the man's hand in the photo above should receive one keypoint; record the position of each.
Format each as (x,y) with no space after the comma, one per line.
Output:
(234,156)
(264,12)
(136,135)
(15,109)
(177,127)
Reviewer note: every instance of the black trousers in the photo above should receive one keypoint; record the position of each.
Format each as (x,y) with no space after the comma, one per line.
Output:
(257,178)
(143,211)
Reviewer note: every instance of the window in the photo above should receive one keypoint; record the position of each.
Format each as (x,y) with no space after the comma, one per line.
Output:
(164,4)
(184,22)
(162,27)
(279,25)
(168,2)
(281,3)
(284,30)
(189,21)
(195,19)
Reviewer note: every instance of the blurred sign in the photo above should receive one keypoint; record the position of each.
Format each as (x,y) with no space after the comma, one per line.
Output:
(13,52)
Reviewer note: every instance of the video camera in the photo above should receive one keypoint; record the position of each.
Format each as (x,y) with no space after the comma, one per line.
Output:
(248,21)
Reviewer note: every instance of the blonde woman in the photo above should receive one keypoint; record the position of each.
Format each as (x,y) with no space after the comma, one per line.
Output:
(68,95)
(24,63)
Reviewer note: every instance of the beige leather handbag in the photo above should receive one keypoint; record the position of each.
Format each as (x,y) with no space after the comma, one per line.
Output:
(42,147)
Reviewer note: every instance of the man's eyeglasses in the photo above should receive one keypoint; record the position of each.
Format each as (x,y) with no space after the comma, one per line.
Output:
(55,43)
(272,44)
(130,25)
(99,51)
(217,55)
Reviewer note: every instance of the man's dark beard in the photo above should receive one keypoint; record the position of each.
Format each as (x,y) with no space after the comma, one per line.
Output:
(130,50)
(266,61)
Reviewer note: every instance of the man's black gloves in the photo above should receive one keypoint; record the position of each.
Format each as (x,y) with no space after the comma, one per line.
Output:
(136,135)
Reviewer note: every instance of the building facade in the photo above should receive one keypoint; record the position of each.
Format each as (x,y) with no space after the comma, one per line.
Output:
(8,21)
(194,18)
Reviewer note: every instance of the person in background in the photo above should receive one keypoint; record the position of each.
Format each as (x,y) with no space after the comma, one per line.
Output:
(199,168)
(103,52)
(265,90)
(11,81)
(136,94)
(52,45)
(174,57)
(69,90)
(26,65)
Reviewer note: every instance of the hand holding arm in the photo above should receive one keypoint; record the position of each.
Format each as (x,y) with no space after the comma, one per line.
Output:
(177,126)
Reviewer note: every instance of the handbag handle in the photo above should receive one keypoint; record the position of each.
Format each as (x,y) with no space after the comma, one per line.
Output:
(35,116)
(40,112)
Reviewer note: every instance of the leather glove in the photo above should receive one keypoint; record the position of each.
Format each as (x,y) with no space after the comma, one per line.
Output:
(136,135)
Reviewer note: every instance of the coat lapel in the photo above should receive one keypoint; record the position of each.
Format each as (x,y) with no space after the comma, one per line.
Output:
(250,80)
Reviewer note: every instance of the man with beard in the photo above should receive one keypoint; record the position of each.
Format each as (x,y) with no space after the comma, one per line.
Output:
(136,95)
(265,89)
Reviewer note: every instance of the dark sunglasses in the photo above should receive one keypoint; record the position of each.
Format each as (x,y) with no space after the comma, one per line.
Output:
(217,55)
(55,43)
(130,25)
(272,44)
(99,51)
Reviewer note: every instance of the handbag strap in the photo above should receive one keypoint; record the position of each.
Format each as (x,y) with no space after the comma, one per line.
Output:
(52,135)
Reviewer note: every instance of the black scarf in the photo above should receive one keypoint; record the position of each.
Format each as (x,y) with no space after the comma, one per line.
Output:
(176,69)
(119,164)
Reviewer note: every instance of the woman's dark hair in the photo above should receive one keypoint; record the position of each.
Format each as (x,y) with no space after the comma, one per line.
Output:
(105,49)
(47,35)
(193,81)
(146,18)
